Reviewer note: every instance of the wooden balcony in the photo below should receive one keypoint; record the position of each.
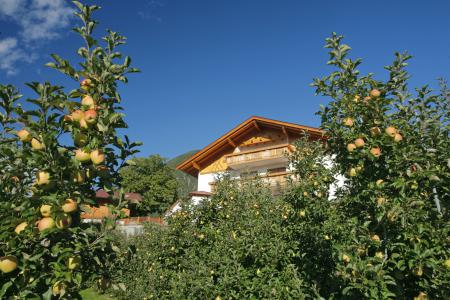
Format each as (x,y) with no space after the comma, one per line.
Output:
(259,157)
(276,182)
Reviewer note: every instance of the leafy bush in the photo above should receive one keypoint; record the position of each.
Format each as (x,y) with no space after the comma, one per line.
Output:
(46,250)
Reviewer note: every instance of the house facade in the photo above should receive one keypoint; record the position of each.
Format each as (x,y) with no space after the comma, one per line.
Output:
(258,147)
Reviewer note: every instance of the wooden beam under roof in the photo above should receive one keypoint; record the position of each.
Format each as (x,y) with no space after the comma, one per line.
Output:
(231,142)
(256,125)
(196,165)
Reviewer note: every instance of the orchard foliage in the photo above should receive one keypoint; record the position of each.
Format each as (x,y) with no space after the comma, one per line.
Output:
(382,234)
(53,157)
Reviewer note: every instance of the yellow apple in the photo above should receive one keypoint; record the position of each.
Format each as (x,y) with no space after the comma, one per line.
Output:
(421,296)
(80,139)
(398,137)
(73,262)
(88,101)
(359,142)
(85,84)
(351,147)
(352,172)
(375,238)
(367,98)
(391,131)
(97,157)
(36,145)
(348,122)
(447,263)
(21,227)
(375,93)
(375,151)
(84,124)
(418,271)
(82,156)
(90,116)
(79,176)
(346,258)
(379,182)
(24,135)
(356,98)
(302,213)
(381,201)
(58,288)
(46,223)
(46,210)
(8,263)
(42,178)
(379,254)
(69,206)
(63,221)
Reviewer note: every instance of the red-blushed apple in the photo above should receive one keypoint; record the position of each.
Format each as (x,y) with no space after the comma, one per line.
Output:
(46,210)
(36,145)
(79,176)
(77,115)
(367,98)
(8,263)
(359,142)
(375,131)
(80,139)
(46,223)
(398,137)
(82,156)
(69,206)
(97,157)
(63,221)
(88,101)
(391,131)
(348,122)
(375,151)
(73,262)
(42,178)
(59,287)
(375,93)
(90,116)
(21,227)
(351,147)
(24,135)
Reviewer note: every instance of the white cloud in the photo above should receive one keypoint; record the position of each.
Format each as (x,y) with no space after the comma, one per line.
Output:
(39,21)
(10,54)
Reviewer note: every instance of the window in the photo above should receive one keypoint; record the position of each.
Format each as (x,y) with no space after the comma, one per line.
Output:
(276,170)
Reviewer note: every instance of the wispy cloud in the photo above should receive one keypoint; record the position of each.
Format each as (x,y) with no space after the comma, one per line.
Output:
(149,11)
(39,21)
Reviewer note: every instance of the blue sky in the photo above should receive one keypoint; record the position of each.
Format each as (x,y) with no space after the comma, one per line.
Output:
(208,65)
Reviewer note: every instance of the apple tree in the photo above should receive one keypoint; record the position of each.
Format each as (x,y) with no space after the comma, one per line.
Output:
(53,156)
(394,148)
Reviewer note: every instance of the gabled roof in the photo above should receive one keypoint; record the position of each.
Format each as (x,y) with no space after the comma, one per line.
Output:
(229,140)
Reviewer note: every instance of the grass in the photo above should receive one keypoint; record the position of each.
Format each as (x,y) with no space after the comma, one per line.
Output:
(91,294)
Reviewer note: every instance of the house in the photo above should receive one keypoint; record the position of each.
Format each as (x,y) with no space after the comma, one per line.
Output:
(257,147)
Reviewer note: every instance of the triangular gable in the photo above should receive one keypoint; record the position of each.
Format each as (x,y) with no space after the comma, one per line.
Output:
(244,134)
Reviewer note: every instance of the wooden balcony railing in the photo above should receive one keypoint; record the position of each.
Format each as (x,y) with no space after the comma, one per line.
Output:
(276,182)
(258,156)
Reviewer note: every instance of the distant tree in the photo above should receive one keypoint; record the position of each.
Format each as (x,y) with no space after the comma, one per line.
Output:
(154,180)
